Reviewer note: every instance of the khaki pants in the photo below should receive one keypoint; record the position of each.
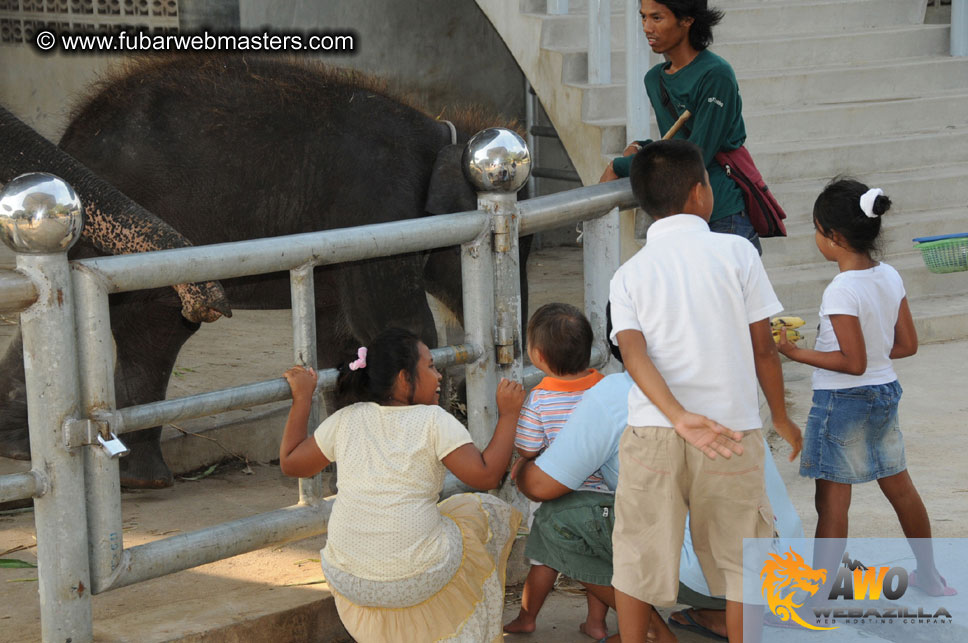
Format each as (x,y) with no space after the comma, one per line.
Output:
(661,479)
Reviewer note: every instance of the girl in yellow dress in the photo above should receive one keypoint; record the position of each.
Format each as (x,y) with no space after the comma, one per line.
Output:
(401,566)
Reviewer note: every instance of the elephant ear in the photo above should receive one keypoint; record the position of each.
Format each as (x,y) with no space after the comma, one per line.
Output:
(449,191)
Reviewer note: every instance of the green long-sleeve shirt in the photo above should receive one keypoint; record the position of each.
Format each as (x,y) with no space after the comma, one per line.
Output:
(707,87)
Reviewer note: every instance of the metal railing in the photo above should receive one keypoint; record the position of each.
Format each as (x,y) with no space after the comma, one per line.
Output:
(959,27)
(70,374)
(638,58)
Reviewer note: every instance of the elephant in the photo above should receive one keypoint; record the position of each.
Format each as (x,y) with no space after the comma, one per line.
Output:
(218,148)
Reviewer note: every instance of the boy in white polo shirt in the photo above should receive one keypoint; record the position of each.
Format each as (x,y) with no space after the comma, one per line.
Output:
(691,317)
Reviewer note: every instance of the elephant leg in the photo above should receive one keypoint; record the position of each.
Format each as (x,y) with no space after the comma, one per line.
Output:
(383,293)
(148,335)
(443,279)
(14,438)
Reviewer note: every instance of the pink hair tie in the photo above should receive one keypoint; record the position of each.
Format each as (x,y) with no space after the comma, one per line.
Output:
(360,361)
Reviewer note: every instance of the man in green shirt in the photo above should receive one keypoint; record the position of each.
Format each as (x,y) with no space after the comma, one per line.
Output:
(695,79)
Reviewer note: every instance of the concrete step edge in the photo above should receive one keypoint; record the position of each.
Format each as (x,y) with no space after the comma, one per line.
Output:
(955,170)
(900,65)
(910,65)
(941,94)
(890,31)
(812,145)
(781,275)
(937,318)
(893,220)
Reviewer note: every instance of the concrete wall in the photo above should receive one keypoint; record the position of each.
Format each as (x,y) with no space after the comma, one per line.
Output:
(442,51)
(42,88)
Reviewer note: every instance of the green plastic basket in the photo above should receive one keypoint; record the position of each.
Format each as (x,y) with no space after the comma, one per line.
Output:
(948,253)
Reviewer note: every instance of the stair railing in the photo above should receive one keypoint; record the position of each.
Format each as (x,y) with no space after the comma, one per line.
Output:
(959,27)
(599,42)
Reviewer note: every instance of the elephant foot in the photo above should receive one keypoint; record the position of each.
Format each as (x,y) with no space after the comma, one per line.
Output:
(15,444)
(145,469)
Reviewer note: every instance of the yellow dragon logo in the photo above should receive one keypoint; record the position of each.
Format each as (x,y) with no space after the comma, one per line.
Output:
(790,572)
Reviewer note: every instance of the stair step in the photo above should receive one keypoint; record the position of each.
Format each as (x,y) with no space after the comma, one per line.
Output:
(788,53)
(898,229)
(859,118)
(825,16)
(801,286)
(868,82)
(751,21)
(937,318)
(823,49)
(824,158)
(811,87)
(936,187)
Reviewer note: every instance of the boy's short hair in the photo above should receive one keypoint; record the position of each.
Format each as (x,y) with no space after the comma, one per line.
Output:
(563,335)
(663,173)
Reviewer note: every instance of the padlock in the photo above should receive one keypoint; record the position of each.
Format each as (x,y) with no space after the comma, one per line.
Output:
(114,446)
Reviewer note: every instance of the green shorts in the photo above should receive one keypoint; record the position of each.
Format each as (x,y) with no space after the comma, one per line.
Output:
(573,535)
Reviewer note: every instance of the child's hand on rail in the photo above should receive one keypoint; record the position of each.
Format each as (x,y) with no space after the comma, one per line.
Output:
(510,398)
(302,383)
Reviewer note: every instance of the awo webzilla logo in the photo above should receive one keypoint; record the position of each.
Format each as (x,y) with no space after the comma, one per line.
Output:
(782,577)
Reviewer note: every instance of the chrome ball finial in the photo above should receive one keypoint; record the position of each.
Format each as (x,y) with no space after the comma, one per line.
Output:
(39,214)
(496,160)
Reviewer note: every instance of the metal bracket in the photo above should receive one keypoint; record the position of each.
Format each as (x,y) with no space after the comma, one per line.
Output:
(504,344)
(502,232)
(79,432)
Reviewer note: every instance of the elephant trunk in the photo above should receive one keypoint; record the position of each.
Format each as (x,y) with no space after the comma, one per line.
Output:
(113,223)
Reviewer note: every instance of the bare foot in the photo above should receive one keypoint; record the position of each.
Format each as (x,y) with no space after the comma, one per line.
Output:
(523,624)
(932,584)
(597,631)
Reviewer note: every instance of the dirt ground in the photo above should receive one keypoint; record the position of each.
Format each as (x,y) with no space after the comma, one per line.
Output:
(257,345)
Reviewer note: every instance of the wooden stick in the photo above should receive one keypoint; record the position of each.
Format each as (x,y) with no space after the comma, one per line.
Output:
(677,125)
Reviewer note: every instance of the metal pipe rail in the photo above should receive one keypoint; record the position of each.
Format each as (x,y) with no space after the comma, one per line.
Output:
(184,551)
(572,206)
(17,291)
(142,416)
(162,268)
(147,270)
(20,486)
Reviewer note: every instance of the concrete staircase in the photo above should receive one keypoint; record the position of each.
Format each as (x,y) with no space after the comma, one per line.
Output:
(861,87)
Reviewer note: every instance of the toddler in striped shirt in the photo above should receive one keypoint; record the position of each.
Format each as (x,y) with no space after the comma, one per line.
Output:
(559,343)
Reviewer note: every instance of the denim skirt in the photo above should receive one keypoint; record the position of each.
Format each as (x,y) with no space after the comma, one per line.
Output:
(853,436)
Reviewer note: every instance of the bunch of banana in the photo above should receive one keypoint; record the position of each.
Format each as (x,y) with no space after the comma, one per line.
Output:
(791,323)
(792,335)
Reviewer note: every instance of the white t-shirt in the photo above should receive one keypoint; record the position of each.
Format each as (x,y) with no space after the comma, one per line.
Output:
(874,297)
(385,524)
(693,294)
